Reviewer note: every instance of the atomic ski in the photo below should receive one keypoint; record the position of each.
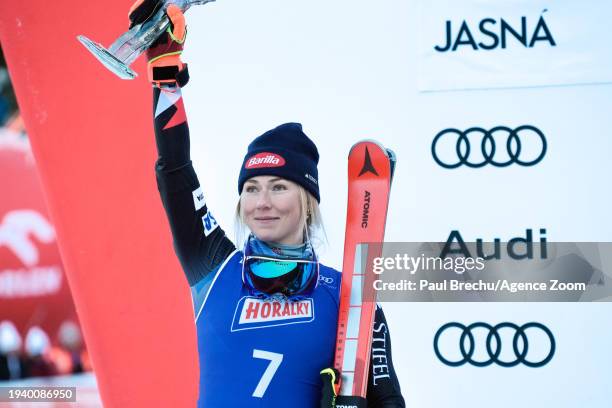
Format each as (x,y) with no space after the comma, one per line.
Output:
(370,171)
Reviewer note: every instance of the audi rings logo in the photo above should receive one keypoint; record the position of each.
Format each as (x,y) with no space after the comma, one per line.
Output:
(493,344)
(500,147)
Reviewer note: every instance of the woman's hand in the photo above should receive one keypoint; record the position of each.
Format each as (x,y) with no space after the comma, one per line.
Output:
(163,56)
(329,398)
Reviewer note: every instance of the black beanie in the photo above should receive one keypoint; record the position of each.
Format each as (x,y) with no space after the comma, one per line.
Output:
(286,152)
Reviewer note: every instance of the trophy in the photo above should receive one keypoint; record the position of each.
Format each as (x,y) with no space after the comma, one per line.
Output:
(134,42)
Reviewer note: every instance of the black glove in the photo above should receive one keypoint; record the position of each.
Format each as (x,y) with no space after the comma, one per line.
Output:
(142,10)
(329,397)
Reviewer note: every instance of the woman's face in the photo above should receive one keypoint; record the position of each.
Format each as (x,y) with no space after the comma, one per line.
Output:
(270,207)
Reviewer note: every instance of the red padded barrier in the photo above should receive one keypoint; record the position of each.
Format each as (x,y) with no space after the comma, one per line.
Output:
(92,137)
(33,289)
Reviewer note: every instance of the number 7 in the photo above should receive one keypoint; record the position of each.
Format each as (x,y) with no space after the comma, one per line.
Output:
(266,378)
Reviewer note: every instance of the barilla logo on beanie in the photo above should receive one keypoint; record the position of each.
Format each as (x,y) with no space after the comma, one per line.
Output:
(263,160)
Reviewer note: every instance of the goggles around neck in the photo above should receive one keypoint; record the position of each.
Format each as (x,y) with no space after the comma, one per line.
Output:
(267,275)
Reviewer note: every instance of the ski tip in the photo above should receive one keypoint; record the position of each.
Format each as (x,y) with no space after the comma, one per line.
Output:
(388,152)
(377,143)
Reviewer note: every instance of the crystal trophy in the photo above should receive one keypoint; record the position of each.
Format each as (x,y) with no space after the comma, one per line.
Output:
(120,55)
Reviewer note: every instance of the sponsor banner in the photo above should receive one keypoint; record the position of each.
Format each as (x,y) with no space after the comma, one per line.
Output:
(506,344)
(500,146)
(256,313)
(525,268)
(33,288)
(471,44)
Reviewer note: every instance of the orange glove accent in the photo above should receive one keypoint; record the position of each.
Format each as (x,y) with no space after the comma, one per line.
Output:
(179,29)
(164,56)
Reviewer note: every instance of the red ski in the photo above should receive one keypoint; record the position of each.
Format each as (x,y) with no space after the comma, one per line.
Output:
(370,170)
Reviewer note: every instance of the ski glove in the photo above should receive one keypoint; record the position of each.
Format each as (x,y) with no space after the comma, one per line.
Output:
(163,56)
(329,396)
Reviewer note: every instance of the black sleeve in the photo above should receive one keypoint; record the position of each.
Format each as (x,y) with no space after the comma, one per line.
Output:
(199,242)
(383,385)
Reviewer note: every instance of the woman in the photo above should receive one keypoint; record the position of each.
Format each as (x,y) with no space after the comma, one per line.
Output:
(266,313)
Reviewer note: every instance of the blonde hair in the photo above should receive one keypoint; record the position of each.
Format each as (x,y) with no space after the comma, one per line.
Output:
(311,220)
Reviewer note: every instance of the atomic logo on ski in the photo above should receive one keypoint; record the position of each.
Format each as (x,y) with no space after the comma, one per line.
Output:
(367,165)
(366,210)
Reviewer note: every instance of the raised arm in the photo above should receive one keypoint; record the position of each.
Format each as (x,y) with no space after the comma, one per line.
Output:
(199,242)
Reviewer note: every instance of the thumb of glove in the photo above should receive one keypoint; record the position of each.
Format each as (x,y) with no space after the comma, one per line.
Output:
(177,22)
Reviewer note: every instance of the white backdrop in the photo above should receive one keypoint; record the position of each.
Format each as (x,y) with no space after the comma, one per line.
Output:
(348,70)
